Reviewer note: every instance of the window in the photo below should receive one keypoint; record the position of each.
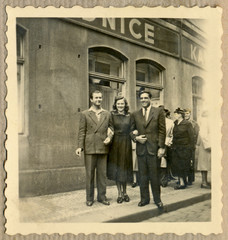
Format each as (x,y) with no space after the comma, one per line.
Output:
(20,76)
(197,83)
(148,73)
(106,74)
(149,78)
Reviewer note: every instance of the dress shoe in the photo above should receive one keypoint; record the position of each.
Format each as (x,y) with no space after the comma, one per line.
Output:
(89,203)
(207,186)
(179,187)
(119,200)
(141,204)
(134,184)
(105,202)
(126,198)
(160,205)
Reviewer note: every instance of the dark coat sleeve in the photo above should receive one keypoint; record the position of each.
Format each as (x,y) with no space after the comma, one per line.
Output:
(191,136)
(161,129)
(82,131)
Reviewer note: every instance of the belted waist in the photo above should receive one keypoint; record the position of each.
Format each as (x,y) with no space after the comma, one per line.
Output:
(121,134)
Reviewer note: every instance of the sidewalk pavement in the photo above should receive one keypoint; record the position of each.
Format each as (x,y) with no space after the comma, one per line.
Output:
(71,206)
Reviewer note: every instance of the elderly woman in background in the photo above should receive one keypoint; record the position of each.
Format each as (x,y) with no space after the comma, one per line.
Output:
(119,166)
(183,144)
(204,150)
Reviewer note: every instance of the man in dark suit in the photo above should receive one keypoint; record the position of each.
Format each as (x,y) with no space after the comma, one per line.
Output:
(93,138)
(149,132)
(195,125)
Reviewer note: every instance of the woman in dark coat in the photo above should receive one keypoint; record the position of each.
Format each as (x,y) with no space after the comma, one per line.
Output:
(119,167)
(183,145)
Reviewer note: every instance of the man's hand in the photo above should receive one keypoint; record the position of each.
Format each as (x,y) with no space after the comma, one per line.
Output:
(161,152)
(141,139)
(107,140)
(78,152)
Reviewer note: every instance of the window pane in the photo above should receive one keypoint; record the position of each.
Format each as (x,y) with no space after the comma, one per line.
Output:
(102,68)
(20,39)
(105,63)
(147,73)
(140,76)
(197,86)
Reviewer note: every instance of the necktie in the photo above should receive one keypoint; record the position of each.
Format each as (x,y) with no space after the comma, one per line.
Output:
(145,114)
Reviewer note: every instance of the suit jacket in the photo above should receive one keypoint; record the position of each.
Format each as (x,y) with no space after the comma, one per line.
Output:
(92,132)
(154,129)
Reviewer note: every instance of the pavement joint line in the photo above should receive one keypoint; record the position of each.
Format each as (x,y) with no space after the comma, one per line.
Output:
(149,213)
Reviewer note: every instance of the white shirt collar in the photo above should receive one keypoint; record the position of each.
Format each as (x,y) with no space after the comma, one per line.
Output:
(91,109)
(148,109)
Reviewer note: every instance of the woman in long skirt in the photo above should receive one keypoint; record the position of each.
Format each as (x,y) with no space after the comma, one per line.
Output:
(183,145)
(119,167)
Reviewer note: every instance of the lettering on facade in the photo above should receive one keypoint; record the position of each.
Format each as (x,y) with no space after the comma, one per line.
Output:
(193,52)
(138,29)
(146,32)
(197,54)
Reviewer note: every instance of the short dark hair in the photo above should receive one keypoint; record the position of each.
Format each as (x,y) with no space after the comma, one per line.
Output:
(149,93)
(126,108)
(96,91)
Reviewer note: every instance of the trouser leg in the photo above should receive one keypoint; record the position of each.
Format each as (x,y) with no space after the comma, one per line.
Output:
(101,176)
(163,177)
(90,165)
(153,169)
(143,178)
(191,174)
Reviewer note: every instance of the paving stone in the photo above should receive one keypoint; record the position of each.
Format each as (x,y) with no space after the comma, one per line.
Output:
(71,206)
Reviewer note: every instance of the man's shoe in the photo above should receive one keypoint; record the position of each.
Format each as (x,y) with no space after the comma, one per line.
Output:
(179,187)
(105,202)
(160,205)
(141,204)
(89,203)
(207,186)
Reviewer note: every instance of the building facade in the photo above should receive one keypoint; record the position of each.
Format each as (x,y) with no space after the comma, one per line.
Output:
(60,61)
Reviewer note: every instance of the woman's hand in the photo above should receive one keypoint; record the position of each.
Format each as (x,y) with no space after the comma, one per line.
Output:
(107,140)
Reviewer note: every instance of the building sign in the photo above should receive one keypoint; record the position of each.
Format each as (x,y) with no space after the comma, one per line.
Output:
(138,30)
(192,52)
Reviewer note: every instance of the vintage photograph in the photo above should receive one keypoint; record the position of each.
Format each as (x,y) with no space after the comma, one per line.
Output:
(114,120)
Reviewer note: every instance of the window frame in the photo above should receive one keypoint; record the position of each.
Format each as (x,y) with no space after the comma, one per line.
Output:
(147,84)
(197,97)
(151,86)
(21,32)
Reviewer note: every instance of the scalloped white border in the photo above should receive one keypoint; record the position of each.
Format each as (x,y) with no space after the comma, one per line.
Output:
(214,76)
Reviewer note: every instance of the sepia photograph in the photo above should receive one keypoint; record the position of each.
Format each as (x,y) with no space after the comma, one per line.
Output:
(115,119)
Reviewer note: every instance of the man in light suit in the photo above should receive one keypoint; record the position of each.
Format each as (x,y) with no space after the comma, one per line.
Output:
(93,139)
(150,147)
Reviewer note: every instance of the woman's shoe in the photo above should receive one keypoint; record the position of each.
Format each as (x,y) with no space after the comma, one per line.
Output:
(178,187)
(126,198)
(119,200)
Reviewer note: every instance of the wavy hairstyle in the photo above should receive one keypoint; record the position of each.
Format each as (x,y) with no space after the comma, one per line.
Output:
(126,108)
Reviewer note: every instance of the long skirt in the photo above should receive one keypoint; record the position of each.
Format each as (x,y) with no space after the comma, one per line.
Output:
(181,161)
